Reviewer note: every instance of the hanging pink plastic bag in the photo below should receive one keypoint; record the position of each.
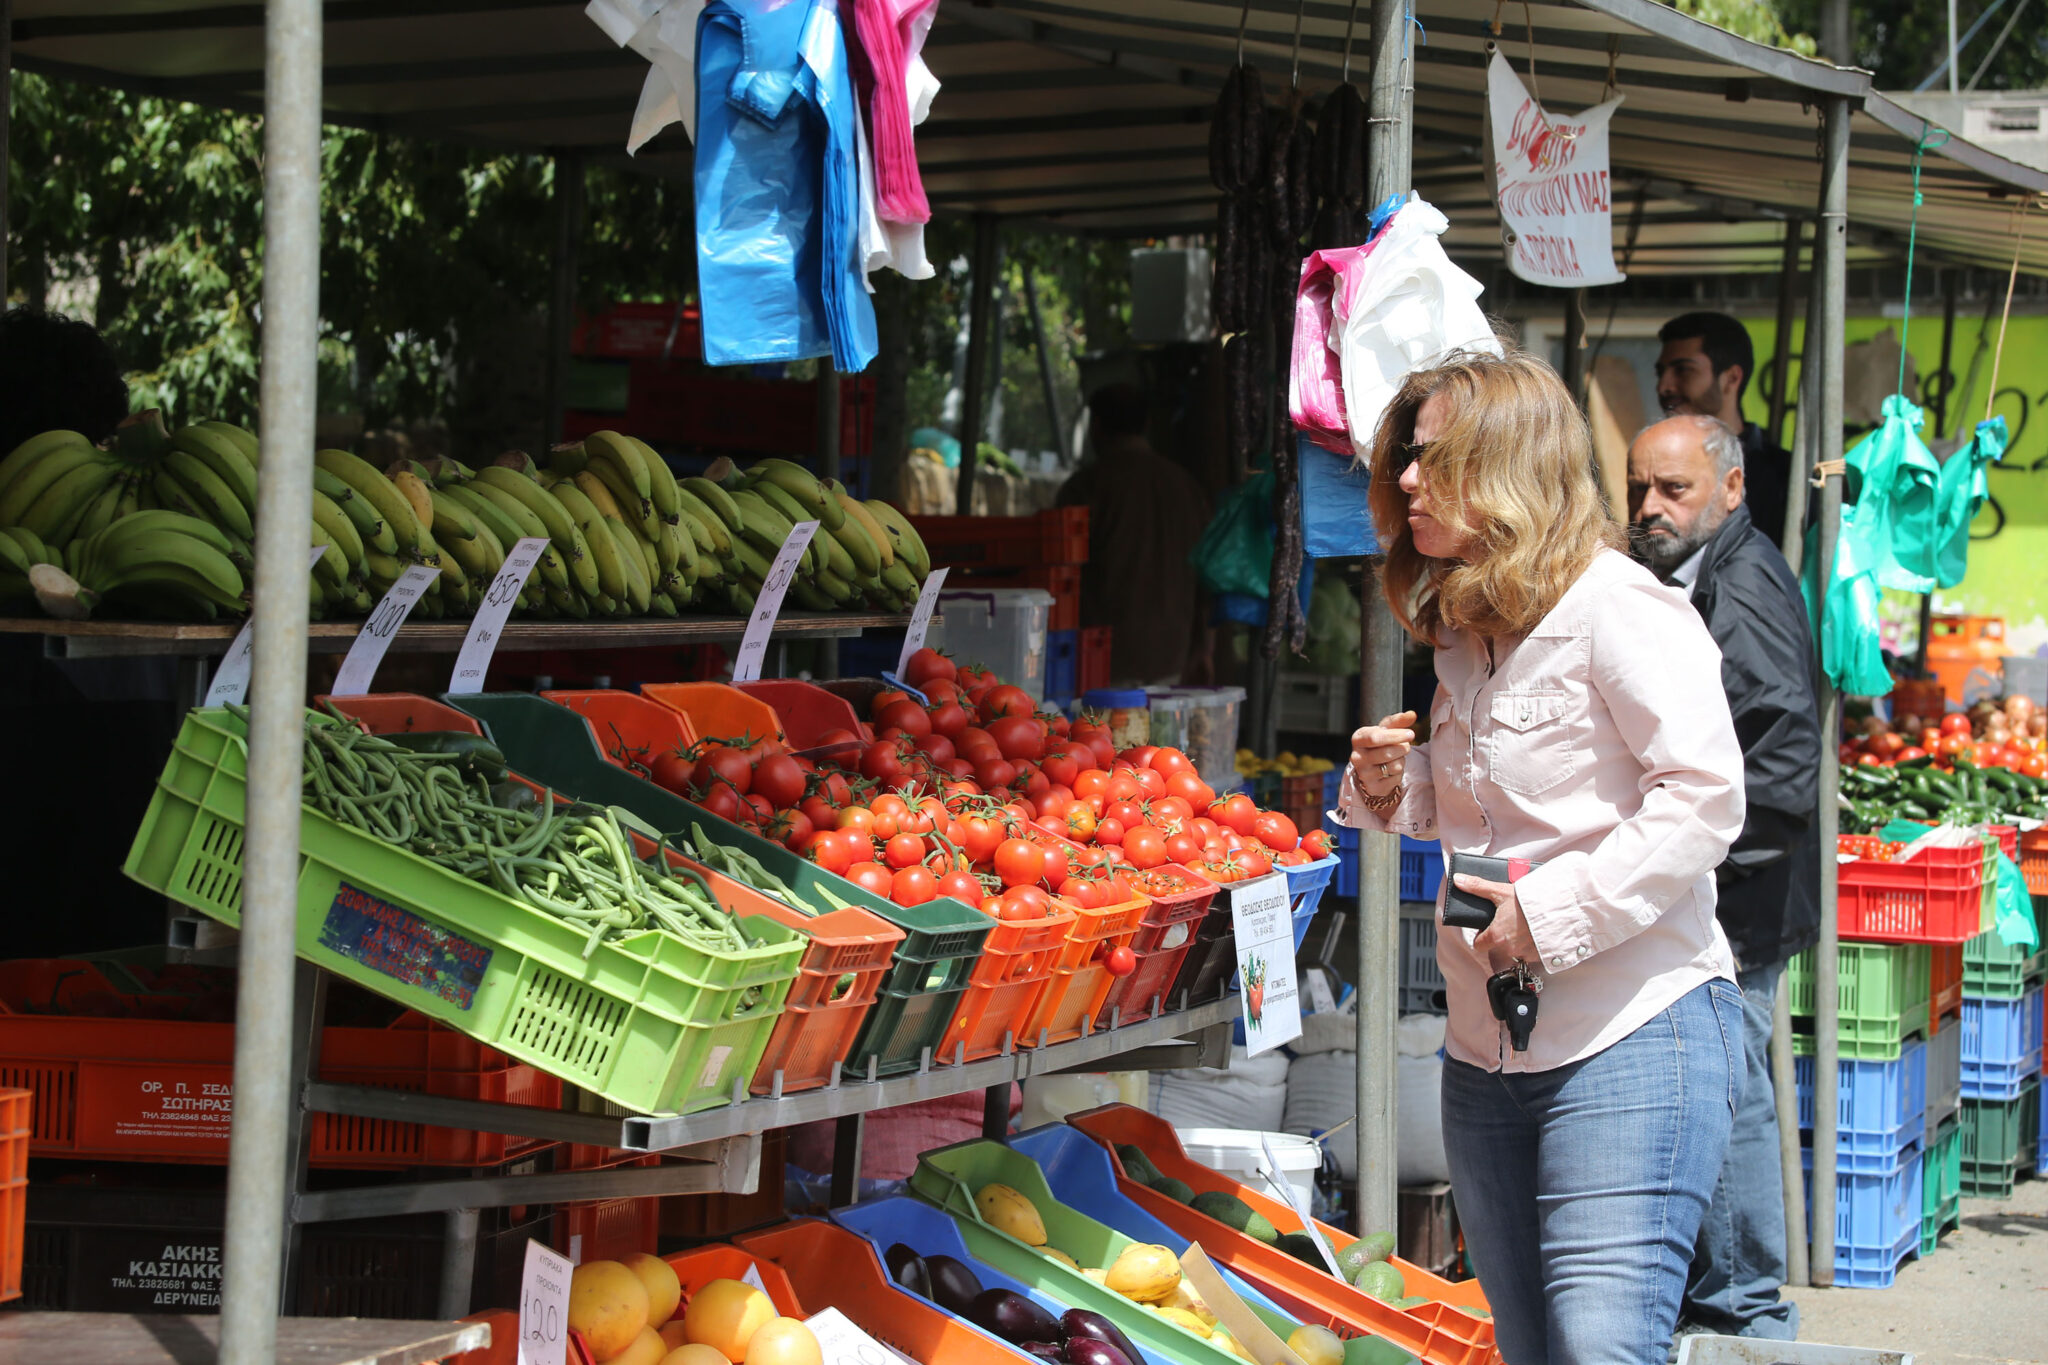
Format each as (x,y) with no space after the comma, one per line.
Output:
(892,34)
(1315,387)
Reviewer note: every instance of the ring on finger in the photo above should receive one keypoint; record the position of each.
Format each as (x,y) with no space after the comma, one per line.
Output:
(1386,769)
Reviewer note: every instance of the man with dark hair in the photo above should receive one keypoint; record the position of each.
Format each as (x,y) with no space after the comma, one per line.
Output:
(1704,367)
(56,374)
(1145,514)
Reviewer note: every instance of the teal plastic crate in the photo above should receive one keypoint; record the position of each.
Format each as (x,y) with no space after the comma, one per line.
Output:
(1941,1187)
(1882,992)
(2000,1139)
(1992,971)
(648,1021)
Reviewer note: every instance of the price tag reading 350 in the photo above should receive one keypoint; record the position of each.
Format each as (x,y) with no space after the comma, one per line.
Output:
(359,669)
(474,662)
(544,1307)
(231,679)
(746,665)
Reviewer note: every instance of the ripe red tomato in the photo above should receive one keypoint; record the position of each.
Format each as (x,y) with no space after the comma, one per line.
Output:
(1019,737)
(1082,891)
(871,877)
(1909,753)
(670,770)
(1318,843)
(914,886)
(835,849)
(927,665)
(1109,831)
(1887,745)
(961,886)
(1167,762)
(1120,961)
(723,766)
(995,772)
(1955,723)
(1144,846)
(905,715)
(722,801)
(1060,766)
(882,762)
(1019,862)
(1236,813)
(905,850)
(1183,847)
(1007,701)
(1276,831)
(937,748)
(1025,902)
(792,827)
(949,719)
(780,780)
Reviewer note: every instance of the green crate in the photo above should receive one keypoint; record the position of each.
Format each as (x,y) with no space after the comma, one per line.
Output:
(1882,991)
(1999,1137)
(554,745)
(649,1021)
(1941,1186)
(949,1176)
(1992,971)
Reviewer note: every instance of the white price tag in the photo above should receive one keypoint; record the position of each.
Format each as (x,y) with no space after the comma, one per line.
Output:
(752,1275)
(842,1343)
(1295,1200)
(746,665)
(1269,994)
(359,669)
(231,679)
(544,1307)
(474,662)
(921,618)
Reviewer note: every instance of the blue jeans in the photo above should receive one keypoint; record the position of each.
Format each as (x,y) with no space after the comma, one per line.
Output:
(1738,1266)
(1581,1189)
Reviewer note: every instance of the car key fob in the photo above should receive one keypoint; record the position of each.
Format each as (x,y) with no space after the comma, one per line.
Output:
(1513,995)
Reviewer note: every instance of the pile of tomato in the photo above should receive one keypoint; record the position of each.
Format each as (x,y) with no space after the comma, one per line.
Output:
(966,791)
(1943,744)
(1868,847)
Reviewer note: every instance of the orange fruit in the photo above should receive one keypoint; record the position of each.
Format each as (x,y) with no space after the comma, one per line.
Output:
(691,1354)
(664,1290)
(784,1341)
(724,1315)
(608,1304)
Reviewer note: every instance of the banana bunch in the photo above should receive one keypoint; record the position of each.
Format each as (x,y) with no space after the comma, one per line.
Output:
(156,562)
(58,485)
(20,551)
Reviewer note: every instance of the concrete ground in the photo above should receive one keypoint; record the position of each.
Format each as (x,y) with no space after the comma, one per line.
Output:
(1983,1296)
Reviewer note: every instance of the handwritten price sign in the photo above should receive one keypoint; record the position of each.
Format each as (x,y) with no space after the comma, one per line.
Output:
(746,665)
(921,618)
(473,664)
(544,1307)
(359,669)
(231,680)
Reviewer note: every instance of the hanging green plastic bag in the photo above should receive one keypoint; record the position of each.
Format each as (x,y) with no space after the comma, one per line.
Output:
(1961,496)
(2016,927)
(1892,477)
(1849,630)
(1235,554)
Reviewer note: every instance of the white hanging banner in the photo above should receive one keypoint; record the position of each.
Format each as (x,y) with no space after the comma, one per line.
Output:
(231,679)
(359,669)
(746,665)
(473,663)
(1549,180)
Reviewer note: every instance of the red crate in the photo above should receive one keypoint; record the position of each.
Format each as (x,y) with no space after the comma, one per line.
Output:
(2008,839)
(2033,860)
(1094,671)
(1935,897)
(1945,989)
(1161,945)
(619,720)
(807,712)
(1059,536)
(14,1140)
(676,404)
(609,1229)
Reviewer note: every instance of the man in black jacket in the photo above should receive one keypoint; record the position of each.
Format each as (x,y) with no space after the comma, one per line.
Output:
(1687,522)
(1704,367)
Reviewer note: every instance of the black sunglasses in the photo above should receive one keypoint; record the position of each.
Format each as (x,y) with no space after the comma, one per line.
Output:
(1407,453)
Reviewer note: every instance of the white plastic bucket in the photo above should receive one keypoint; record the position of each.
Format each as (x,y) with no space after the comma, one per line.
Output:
(1238,1154)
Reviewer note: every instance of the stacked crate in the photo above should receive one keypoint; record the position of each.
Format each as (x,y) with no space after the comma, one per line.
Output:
(2002,1005)
(1044,550)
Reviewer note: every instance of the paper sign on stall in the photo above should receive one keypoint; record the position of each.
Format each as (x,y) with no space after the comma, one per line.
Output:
(1268,992)
(473,664)
(359,669)
(752,1275)
(1296,1200)
(544,1307)
(1549,175)
(746,665)
(921,618)
(231,680)
(842,1343)
(1264,1344)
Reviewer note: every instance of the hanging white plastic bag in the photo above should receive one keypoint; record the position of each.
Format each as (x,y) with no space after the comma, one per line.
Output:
(665,33)
(1403,307)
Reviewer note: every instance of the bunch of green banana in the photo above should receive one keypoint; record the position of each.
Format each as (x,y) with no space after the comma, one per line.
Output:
(156,562)
(51,484)
(21,550)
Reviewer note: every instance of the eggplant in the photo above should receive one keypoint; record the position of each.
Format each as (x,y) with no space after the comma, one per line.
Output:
(1089,1351)
(896,1256)
(954,1286)
(1080,1324)
(1043,1350)
(1013,1317)
(912,1273)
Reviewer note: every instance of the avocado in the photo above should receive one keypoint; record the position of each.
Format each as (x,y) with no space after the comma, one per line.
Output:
(1380,1281)
(1231,1211)
(1174,1189)
(1301,1247)
(1377,1246)
(1137,1165)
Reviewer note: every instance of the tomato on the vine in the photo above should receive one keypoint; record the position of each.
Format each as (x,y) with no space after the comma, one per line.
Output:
(1276,831)
(1120,961)
(871,877)
(1109,831)
(1019,862)
(1025,902)
(780,780)
(961,886)
(913,886)
(722,766)
(671,770)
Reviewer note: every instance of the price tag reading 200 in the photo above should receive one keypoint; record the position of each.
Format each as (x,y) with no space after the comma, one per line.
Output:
(544,1307)
(359,669)
(474,662)
(746,665)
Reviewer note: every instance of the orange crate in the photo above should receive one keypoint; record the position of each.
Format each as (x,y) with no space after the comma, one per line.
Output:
(619,720)
(1080,981)
(718,1261)
(717,710)
(2033,860)
(1439,1332)
(1007,980)
(159,1089)
(829,1267)
(609,1229)
(14,1139)
(401,713)
(504,1347)
(805,711)
(1945,988)
(1920,697)
(716,1217)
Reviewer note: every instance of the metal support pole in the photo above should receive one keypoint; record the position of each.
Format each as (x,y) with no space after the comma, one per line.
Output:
(309,1015)
(1575,344)
(846,1138)
(1803,429)
(995,1112)
(458,1263)
(562,286)
(1053,415)
(284,494)
(1781,360)
(1791,1175)
(981,293)
(1833,244)
(6,130)
(1389,156)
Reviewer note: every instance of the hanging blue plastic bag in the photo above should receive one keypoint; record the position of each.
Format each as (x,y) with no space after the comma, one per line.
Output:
(777,195)
(1335,519)
(1961,496)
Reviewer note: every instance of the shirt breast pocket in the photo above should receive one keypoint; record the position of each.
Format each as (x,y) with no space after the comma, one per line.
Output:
(1530,749)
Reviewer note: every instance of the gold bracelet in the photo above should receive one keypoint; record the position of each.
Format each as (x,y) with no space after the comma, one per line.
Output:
(1376,804)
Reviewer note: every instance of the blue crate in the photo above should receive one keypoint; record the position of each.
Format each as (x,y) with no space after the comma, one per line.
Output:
(1062,666)
(2041,1136)
(1877,1220)
(2001,1045)
(870,655)
(1880,1107)
(1422,865)
(1079,1174)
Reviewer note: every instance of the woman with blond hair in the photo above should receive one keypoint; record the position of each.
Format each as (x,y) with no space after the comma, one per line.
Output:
(1579,734)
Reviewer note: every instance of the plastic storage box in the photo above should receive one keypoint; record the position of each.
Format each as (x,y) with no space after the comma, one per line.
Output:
(1209,731)
(1993,971)
(999,628)
(1881,1107)
(1877,1220)
(1941,1186)
(1944,1076)
(2001,1138)
(1422,982)
(1936,897)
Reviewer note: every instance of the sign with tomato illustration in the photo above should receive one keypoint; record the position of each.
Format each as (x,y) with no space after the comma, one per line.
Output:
(1260,912)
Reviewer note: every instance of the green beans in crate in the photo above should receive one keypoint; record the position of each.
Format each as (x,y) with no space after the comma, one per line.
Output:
(555,745)
(645,1019)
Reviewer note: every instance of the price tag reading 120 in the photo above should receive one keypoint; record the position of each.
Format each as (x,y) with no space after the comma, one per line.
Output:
(474,662)
(746,665)
(544,1307)
(359,669)
(231,679)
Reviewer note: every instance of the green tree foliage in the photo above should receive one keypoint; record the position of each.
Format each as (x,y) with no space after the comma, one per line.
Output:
(1755,20)
(1902,41)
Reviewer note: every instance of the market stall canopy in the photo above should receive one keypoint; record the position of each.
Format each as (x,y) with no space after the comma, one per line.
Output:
(1092,114)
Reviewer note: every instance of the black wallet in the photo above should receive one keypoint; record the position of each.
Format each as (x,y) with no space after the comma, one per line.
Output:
(1469,909)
